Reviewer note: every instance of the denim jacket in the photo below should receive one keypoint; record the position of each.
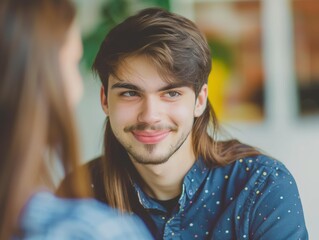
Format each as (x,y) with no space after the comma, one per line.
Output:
(47,217)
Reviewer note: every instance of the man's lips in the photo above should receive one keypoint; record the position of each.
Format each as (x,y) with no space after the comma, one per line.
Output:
(150,137)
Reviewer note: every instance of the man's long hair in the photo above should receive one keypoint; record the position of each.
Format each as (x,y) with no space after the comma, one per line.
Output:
(180,52)
(35,119)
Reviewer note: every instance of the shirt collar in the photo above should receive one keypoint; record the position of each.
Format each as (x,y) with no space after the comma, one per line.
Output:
(195,177)
(192,181)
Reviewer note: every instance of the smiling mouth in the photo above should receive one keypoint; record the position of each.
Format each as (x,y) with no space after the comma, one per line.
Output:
(150,137)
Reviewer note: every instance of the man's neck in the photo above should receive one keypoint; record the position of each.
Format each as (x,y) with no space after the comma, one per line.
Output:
(164,181)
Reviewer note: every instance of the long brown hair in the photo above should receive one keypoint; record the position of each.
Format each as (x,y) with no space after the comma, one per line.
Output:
(178,49)
(35,119)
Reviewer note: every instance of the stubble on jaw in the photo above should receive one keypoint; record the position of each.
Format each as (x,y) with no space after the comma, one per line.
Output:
(150,148)
(145,160)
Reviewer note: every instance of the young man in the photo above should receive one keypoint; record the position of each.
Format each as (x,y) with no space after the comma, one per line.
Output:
(159,160)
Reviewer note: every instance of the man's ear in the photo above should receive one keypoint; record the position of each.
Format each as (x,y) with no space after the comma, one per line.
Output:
(103,99)
(201,101)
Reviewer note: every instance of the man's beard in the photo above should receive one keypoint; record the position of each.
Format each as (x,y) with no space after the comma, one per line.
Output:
(150,148)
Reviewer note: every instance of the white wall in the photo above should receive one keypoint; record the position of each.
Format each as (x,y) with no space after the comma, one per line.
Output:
(283,135)
(90,118)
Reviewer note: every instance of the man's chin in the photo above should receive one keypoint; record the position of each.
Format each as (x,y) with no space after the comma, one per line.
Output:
(148,161)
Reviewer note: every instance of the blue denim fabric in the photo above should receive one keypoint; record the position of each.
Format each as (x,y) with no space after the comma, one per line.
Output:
(47,217)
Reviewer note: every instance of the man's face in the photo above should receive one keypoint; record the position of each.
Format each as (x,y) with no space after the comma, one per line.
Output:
(150,117)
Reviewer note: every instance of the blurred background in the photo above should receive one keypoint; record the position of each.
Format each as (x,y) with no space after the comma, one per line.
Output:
(264,84)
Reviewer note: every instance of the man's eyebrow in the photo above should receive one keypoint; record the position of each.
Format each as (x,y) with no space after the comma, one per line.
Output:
(126,86)
(136,88)
(172,86)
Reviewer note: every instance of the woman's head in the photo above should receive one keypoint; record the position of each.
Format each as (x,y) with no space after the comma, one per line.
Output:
(39,52)
(34,33)
(69,57)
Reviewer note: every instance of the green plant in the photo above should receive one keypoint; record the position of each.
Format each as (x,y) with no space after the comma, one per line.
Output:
(112,13)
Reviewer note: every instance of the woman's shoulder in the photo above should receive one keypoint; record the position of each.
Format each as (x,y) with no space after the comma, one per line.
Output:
(51,217)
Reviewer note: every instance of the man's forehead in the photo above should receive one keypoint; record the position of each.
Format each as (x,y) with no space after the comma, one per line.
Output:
(118,82)
(143,72)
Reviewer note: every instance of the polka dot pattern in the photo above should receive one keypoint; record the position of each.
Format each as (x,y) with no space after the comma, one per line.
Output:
(251,198)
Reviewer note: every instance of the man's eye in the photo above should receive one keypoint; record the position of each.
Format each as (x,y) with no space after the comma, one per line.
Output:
(172,94)
(129,94)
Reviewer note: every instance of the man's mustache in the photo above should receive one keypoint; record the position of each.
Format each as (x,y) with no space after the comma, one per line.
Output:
(146,126)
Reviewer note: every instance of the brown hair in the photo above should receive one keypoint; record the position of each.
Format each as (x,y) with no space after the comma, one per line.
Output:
(35,119)
(180,52)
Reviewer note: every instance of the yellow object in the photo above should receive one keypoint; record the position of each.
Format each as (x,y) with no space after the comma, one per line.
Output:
(217,82)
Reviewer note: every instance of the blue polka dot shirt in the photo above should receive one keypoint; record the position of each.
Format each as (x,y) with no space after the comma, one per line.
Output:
(251,198)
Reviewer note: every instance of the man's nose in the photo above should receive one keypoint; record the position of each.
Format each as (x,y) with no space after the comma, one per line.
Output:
(150,110)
